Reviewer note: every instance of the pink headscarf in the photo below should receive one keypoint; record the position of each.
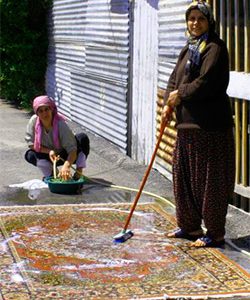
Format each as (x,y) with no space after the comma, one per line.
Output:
(46,101)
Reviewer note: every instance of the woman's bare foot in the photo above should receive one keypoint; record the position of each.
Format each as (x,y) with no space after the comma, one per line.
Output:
(194,233)
(78,174)
(206,241)
(179,233)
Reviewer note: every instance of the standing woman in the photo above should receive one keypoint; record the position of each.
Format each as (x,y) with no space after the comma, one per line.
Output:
(204,158)
(48,135)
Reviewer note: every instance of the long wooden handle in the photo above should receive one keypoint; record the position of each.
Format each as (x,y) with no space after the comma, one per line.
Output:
(54,168)
(163,125)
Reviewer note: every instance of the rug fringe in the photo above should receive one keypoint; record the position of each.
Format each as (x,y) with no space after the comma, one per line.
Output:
(203,297)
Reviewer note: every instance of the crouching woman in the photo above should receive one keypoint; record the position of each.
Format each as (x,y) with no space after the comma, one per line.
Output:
(48,135)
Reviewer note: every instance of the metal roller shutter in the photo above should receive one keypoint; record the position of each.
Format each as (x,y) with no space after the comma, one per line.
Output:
(171,40)
(88,64)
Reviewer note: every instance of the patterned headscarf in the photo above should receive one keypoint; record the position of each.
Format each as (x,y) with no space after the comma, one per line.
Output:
(46,101)
(205,8)
(197,45)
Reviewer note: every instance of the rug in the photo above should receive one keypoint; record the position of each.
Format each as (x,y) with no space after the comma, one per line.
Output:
(67,252)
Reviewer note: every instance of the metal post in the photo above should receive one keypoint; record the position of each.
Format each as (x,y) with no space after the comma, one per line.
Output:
(246,9)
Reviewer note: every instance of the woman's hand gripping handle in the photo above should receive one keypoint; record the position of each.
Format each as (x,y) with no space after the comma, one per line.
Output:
(166,115)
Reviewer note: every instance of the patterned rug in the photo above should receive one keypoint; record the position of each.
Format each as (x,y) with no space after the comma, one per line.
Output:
(67,252)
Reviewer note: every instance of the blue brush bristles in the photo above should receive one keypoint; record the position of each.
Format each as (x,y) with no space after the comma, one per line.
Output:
(123,236)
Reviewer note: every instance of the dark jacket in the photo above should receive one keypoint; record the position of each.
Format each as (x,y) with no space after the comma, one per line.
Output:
(204,100)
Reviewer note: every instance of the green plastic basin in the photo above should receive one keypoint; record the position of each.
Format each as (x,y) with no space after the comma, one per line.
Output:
(65,187)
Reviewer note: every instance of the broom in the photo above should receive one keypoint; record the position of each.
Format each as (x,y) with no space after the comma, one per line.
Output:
(126,234)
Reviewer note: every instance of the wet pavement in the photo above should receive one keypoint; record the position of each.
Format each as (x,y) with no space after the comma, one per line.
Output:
(90,194)
(115,179)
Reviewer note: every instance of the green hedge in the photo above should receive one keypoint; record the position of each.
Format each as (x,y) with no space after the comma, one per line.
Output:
(24,44)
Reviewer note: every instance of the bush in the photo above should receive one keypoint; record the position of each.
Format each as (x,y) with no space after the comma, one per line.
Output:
(24,44)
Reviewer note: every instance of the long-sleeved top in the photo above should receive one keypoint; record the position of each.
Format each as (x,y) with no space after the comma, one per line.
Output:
(66,136)
(204,100)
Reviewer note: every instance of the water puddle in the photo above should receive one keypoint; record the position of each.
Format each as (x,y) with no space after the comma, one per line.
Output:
(37,193)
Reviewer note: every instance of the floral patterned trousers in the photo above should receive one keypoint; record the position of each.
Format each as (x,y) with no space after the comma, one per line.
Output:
(203,179)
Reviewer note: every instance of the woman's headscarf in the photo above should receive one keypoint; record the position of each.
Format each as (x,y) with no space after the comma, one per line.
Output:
(205,8)
(46,101)
(197,45)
